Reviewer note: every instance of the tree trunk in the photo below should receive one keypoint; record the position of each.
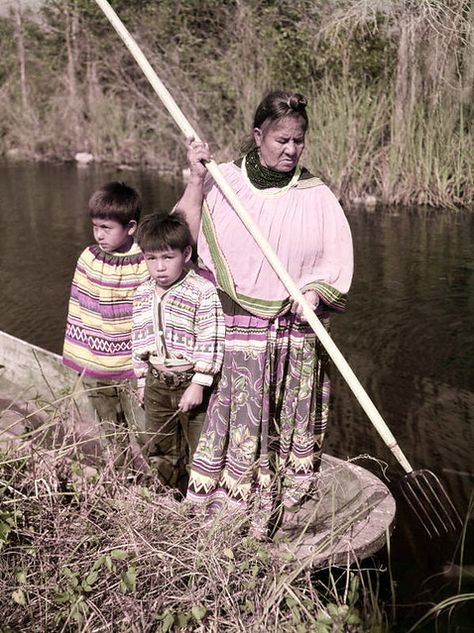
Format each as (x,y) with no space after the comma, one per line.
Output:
(20,46)
(406,80)
(468,61)
(72,22)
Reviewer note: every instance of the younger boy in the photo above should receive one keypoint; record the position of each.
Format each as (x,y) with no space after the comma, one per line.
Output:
(177,347)
(98,330)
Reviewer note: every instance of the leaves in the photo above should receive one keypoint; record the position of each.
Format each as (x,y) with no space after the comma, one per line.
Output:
(129,580)
(198,613)
(19,597)
(93,565)
(119,554)
(8,522)
(21,576)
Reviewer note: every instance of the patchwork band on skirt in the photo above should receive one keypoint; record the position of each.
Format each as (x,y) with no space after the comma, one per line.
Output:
(262,437)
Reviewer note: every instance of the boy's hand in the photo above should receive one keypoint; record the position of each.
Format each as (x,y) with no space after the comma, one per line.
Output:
(140,393)
(191,398)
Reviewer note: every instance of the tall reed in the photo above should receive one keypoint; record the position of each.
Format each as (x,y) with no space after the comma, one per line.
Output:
(391,116)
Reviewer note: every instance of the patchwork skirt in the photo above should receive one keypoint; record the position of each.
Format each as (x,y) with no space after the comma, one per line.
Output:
(261,442)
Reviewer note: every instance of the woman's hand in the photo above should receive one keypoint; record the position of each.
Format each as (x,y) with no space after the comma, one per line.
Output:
(191,398)
(311,297)
(190,203)
(197,152)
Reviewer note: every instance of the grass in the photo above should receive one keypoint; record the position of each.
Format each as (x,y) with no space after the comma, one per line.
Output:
(355,148)
(441,613)
(85,546)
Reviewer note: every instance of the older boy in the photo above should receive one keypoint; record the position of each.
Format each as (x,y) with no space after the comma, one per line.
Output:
(177,346)
(98,330)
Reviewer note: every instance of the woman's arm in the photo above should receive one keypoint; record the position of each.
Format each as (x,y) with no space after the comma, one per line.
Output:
(333,267)
(190,203)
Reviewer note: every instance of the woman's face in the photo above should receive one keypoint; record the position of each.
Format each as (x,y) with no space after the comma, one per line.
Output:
(280,143)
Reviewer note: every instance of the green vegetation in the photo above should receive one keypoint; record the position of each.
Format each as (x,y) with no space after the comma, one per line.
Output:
(92,549)
(390,86)
(85,546)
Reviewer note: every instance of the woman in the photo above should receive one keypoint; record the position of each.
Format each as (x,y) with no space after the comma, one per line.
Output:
(268,414)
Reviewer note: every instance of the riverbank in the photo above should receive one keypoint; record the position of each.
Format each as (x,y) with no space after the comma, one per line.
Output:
(94,534)
(106,552)
(354,195)
(107,547)
(389,88)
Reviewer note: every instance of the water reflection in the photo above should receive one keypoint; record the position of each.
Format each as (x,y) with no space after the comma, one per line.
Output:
(408,336)
(44,226)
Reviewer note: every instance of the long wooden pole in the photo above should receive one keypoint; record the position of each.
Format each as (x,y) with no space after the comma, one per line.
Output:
(331,348)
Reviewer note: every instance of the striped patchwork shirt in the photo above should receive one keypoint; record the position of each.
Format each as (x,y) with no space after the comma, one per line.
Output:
(185,325)
(99,323)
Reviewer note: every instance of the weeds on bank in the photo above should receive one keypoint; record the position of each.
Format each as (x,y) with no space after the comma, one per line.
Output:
(443,612)
(355,147)
(85,546)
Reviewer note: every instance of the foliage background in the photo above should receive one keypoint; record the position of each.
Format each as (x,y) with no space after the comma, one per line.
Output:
(389,83)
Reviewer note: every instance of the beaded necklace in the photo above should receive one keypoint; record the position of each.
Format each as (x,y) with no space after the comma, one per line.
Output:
(262,177)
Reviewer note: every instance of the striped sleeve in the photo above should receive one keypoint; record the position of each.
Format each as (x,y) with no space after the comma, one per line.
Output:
(209,333)
(142,331)
(329,295)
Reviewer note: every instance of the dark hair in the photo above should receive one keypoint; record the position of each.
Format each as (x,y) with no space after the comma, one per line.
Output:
(279,104)
(158,232)
(275,106)
(115,201)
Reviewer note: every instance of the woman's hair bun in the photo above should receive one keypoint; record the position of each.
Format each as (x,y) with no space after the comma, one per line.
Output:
(279,104)
(297,102)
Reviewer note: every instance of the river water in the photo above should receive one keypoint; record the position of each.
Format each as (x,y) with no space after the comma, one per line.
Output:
(408,333)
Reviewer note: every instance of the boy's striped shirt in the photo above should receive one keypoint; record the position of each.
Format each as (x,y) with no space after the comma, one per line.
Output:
(98,329)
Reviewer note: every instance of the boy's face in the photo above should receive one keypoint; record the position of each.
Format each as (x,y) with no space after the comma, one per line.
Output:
(112,236)
(166,267)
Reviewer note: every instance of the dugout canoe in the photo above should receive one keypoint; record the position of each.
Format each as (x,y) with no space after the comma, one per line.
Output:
(347,521)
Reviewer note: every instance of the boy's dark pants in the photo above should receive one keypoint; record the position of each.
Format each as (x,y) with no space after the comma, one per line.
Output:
(169,445)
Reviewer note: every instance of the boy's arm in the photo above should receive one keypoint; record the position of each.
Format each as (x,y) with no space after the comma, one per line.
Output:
(80,280)
(74,319)
(139,347)
(209,338)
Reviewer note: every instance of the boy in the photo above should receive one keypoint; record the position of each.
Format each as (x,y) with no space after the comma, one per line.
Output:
(97,342)
(177,347)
